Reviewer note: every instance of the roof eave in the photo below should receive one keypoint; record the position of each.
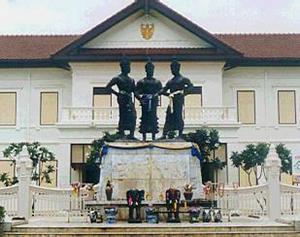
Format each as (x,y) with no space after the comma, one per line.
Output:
(33,63)
(269,62)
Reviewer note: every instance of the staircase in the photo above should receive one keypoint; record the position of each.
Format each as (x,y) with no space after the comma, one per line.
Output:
(155,230)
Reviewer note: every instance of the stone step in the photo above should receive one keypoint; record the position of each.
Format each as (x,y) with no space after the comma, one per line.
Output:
(153,228)
(161,234)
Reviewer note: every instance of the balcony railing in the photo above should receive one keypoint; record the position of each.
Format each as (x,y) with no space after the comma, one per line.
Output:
(193,116)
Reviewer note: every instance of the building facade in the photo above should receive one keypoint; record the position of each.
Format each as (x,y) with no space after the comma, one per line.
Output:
(52,88)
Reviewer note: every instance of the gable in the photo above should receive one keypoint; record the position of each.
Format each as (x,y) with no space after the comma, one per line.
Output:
(127,34)
(120,35)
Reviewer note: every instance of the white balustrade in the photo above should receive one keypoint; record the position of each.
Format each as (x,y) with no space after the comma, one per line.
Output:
(9,199)
(55,202)
(290,199)
(50,202)
(244,200)
(110,116)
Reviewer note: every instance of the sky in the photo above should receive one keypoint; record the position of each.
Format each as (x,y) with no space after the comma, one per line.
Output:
(216,16)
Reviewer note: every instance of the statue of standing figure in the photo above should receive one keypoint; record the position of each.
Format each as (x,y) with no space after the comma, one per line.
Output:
(126,86)
(176,89)
(147,92)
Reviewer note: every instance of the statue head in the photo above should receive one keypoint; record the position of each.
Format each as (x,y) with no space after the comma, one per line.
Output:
(175,67)
(125,66)
(149,67)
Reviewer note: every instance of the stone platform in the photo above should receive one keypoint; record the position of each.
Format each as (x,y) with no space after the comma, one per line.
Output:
(153,167)
(239,227)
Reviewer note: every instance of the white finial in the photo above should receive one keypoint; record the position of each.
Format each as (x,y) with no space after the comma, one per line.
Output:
(24,151)
(272,157)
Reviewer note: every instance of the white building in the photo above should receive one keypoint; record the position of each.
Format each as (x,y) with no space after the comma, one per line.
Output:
(52,87)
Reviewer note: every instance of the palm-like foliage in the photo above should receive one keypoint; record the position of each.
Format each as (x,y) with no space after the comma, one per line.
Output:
(254,155)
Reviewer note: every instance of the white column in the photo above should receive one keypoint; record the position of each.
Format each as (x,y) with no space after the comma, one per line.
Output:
(24,169)
(273,165)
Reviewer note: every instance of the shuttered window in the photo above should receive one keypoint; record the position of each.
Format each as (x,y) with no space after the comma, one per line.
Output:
(8,109)
(287,107)
(52,175)
(194,99)
(49,108)
(246,107)
(102,98)
(80,153)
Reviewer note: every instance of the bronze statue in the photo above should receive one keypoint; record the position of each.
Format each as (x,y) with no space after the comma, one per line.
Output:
(176,89)
(147,92)
(126,86)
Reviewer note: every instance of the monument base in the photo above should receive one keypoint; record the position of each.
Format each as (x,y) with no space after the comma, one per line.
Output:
(152,167)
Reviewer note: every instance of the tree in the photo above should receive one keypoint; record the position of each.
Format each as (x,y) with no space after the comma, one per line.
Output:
(37,153)
(97,146)
(208,142)
(285,155)
(253,156)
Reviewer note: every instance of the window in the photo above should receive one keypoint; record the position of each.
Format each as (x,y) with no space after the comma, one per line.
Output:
(287,107)
(79,153)
(52,176)
(246,107)
(49,108)
(8,167)
(194,99)
(81,170)
(8,108)
(220,152)
(102,98)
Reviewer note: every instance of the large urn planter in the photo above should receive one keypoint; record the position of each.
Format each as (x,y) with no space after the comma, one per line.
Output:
(188,192)
(188,196)
(5,227)
(5,223)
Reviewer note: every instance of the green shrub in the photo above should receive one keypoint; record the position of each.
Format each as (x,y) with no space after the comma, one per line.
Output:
(2,214)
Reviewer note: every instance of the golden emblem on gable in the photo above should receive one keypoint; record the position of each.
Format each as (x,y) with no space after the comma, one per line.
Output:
(147,30)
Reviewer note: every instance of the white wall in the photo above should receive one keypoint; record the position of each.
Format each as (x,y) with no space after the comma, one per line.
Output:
(266,81)
(29,83)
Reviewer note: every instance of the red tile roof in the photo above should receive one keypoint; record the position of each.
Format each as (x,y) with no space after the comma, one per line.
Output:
(264,45)
(251,45)
(32,46)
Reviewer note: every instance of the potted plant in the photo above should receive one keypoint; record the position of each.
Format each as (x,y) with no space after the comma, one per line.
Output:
(109,190)
(188,192)
(2,216)
(5,223)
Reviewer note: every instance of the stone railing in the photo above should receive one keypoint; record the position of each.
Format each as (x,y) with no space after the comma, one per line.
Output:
(58,202)
(290,199)
(52,202)
(110,116)
(9,199)
(246,201)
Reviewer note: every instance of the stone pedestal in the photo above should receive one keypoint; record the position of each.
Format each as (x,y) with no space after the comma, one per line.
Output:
(153,167)
(273,165)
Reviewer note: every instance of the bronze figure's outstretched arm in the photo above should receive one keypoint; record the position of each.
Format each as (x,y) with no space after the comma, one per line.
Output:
(110,87)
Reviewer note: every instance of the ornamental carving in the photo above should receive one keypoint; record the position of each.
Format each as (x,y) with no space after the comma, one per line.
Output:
(147,30)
